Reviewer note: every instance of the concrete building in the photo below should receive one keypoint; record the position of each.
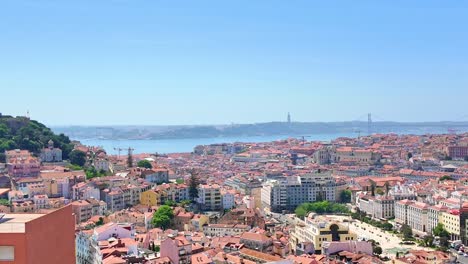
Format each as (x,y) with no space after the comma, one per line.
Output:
(286,193)
(228,200)
(434,216)
(23,167)
(414,214)
(87,249)
(220,230)
(38,238)
(381,207)
(209,197)
(317,230)
(451,221)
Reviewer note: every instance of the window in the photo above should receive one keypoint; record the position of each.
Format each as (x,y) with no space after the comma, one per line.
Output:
(7,253)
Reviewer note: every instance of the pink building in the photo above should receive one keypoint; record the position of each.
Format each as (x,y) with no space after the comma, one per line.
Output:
(361,247)
(23,167)
(177,249)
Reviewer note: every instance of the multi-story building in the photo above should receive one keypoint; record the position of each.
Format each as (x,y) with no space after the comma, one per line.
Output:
(209,197)
(434,216)
(220,230)
(228,199)
(381,207)
(401,211)
(354,155)
(83,211)
(101,164)
(157,175)
(87,249)
(451,221)
(83,191)
(23,167)
(118,198)
(317,230)
(417,217)
(414,214)
(41,201)
(286,193)
(178,249)
(150,198)
(38,238)
(17,153)
(458,151)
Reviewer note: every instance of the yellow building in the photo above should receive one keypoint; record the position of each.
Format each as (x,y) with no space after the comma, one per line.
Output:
(198,221)
(316,230)
(150,198)
(51,187)
(451,222)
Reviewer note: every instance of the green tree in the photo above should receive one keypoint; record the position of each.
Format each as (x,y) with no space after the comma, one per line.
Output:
(440,231)
(407,232)
(387,226)
(129,159)
(144,164)
(171,203)
(377,250)
(78,157)
(345,196)
(372,186)
(100,222)
(162,217)
(428,241)
(444,243)
(300,212)
(387,188)
(180,181)
(379,191)
(4,202)
(193,185)
(446,178)
(410,155)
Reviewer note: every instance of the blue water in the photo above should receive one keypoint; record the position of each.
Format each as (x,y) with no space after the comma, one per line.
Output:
(187,145)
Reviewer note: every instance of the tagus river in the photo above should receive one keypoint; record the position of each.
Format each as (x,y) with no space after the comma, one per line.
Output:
(187,145)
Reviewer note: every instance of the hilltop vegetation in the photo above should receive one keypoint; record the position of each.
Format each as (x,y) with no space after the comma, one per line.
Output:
(22,133)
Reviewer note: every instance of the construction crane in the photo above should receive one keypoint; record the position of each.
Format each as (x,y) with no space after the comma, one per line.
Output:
(119,150)
(303,139)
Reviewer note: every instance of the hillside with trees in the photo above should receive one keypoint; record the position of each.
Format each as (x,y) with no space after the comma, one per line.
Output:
(23,133)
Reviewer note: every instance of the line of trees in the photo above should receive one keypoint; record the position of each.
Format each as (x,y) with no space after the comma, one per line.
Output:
(321,207)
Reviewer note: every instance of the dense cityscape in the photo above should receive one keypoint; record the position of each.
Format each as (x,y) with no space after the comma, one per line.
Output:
(369,199)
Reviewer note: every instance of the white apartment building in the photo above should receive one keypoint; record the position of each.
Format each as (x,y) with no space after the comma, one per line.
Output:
(414,214)
(209,197)
(286,193)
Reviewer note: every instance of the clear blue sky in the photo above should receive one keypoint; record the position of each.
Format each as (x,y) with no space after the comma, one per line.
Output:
(216,62)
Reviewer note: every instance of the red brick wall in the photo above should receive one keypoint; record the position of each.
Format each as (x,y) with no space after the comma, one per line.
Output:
(51,238)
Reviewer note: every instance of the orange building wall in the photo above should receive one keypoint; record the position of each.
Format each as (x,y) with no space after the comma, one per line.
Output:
(19,242)
(51,239)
